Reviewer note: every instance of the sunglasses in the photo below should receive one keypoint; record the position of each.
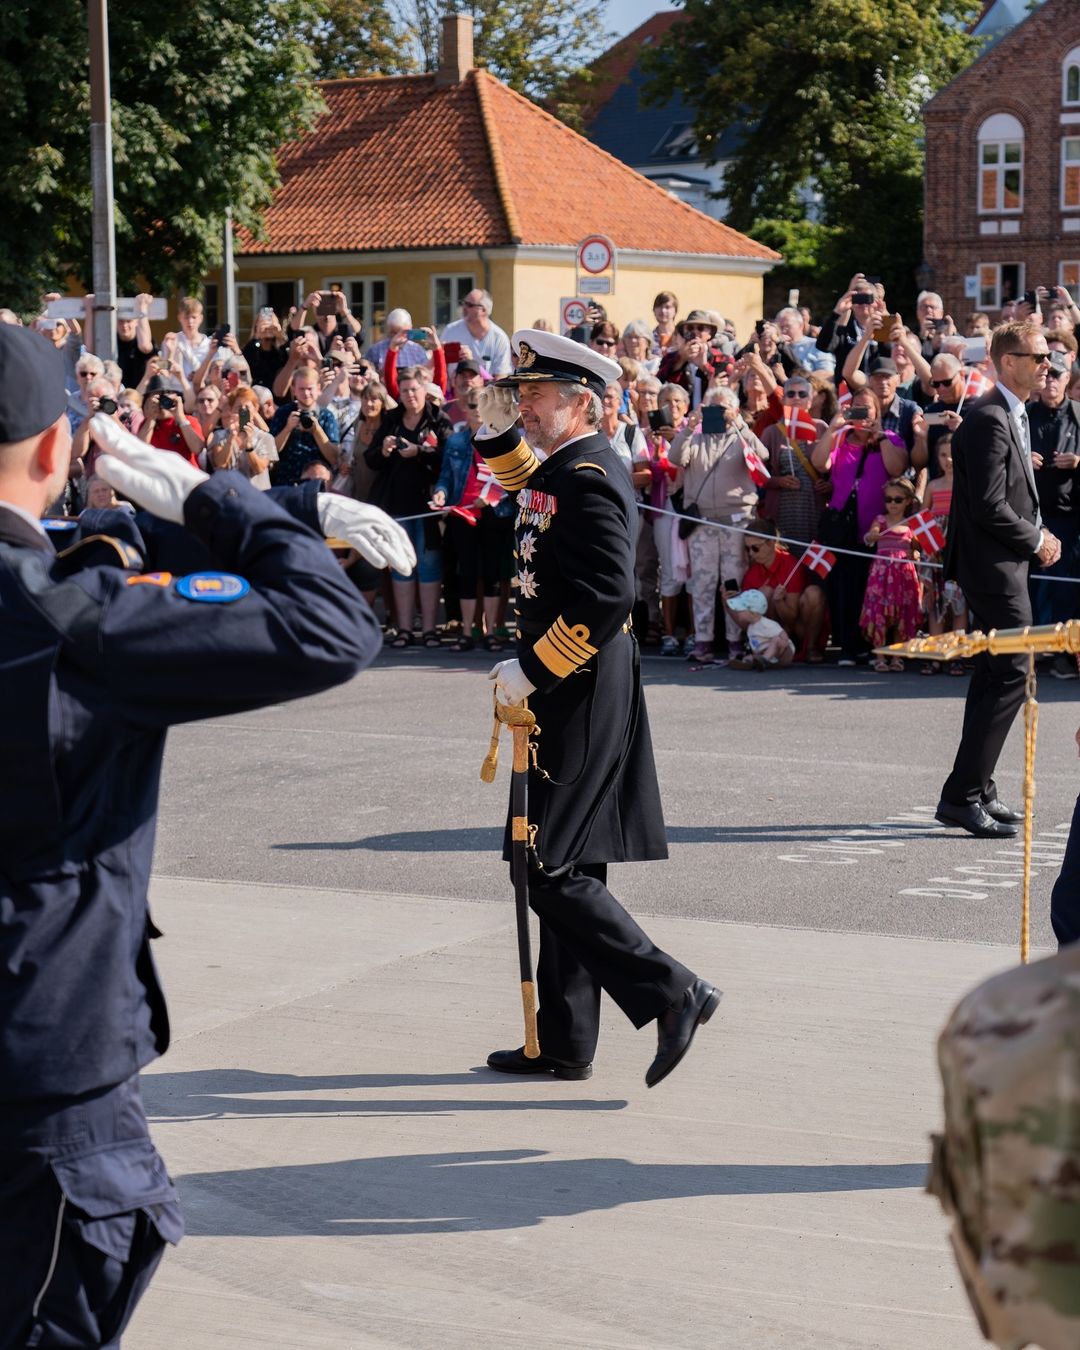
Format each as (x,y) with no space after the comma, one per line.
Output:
(893,500)
(754,548)
(604,342)
(796,393)
(1040,358)
(942,384)
(473,304)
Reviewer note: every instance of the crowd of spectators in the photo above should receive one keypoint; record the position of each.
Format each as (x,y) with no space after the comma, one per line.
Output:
(746,452)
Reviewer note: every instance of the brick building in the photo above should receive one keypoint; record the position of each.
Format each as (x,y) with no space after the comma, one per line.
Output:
(1003,168)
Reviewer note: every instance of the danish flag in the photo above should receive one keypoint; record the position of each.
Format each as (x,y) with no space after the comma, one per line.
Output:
(818,559)
(490,491)
(759,474)
(927,531)
(799,425)
(843,394)
(977,384)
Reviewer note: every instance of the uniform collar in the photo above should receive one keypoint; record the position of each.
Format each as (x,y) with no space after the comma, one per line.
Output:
(572,441)
(14,528)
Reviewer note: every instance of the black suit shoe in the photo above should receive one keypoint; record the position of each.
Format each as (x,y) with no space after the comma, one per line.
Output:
(516,1061)
(1000,812)
(676,1025)
(975,819)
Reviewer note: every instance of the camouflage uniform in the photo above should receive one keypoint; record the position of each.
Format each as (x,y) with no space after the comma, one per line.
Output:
(1008,1166)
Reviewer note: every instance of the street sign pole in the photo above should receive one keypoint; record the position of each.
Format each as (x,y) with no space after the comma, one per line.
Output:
(101,177)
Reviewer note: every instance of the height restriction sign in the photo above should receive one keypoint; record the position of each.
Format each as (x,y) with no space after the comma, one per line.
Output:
(595,266)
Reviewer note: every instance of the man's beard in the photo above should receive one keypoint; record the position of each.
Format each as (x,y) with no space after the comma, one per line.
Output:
(553,429)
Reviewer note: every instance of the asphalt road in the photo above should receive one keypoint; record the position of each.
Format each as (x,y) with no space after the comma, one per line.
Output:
(801,798)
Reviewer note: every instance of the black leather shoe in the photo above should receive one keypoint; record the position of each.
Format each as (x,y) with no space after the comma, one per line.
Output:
(676,1025)
(1000,812)
(975,819)
(516,1061)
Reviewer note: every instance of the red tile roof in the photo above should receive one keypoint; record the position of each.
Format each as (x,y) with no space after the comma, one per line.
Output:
(401,163)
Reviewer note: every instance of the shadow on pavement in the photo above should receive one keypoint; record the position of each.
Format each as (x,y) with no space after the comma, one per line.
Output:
(466,1192)
(490,840)
(207,1094)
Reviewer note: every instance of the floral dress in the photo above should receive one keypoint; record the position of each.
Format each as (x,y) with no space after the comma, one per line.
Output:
(892,606)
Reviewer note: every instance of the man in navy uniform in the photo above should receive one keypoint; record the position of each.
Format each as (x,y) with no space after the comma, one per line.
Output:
(97,659)
(593,795)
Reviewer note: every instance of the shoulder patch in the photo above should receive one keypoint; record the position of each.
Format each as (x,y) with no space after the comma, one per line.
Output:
(150,579)
(213,588)
(588,465)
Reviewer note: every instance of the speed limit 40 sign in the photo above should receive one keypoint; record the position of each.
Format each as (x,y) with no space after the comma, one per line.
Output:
(571,312)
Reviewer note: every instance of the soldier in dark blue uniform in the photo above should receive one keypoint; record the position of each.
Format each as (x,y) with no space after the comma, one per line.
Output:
(593,795)
(97,659)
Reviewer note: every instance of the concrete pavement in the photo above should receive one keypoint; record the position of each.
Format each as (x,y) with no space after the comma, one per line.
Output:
(352,1179)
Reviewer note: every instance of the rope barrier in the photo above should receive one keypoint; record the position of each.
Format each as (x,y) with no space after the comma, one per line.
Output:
(753,534)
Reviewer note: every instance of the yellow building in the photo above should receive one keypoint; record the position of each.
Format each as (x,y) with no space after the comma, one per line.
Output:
(411,191)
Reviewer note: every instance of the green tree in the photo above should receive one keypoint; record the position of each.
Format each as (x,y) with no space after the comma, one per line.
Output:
(830,97)
(356,37)
(541,48)
(203,96)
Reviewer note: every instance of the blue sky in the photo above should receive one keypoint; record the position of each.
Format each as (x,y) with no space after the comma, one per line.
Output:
(623,16)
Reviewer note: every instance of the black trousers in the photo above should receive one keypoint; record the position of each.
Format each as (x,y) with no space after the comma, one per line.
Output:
(589,943)
(845,587)
(86,1209)
(1065,897)
(994,697)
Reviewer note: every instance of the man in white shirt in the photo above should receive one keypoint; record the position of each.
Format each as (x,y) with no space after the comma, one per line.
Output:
(485,340)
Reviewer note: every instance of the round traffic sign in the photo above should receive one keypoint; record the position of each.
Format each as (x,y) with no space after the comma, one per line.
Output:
(573,314)
(595,254)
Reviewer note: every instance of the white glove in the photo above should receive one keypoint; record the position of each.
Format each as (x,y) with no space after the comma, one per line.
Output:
(156,480)
(512,685)
(371,532)
(498,409)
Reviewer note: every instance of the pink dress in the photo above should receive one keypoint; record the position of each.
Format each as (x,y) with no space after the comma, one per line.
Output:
(892,607)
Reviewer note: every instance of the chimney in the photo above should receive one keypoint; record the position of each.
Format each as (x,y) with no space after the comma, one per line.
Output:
(456,50)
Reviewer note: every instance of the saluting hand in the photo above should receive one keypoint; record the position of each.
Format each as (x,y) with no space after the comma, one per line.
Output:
(161,483)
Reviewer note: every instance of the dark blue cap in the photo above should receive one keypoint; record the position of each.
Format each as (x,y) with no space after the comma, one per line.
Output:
(32,393)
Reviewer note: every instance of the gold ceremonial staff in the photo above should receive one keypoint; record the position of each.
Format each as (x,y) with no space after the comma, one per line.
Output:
(1059,637)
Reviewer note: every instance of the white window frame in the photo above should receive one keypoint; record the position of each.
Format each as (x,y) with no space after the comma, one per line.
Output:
(1002,130)
(455,279)
(1022,280)
(1069,163)
(371,331)
(1073,287)
(1072,61)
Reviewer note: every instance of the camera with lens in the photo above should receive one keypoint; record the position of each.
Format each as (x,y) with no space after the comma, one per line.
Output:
(307,421)
(167,402)
(107,405)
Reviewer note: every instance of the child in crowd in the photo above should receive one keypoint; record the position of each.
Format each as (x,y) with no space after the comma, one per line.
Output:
(944,600)
(892,606)
(767,642)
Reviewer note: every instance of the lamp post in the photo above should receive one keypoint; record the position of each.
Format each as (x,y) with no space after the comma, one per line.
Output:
(101,179)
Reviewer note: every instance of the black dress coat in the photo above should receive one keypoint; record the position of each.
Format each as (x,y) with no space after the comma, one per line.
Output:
(593,794)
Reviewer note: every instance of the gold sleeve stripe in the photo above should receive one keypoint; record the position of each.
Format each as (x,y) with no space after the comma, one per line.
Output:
(514,469)
(563,649)
(577,638)
(592,466)
(558,664)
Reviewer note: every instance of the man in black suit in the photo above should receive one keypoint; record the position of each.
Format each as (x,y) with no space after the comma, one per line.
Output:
(995,532)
